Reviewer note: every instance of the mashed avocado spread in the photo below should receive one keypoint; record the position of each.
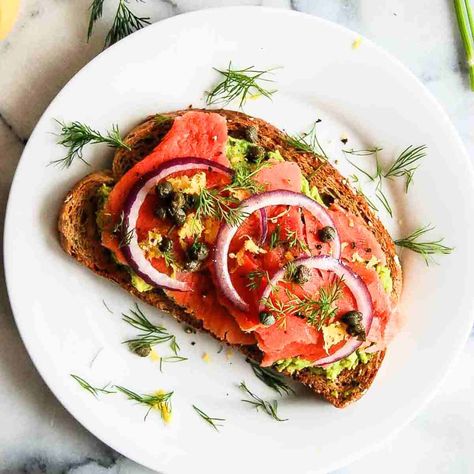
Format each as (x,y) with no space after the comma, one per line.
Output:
(331,371)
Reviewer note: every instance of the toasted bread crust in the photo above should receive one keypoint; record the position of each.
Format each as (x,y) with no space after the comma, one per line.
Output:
(80,238)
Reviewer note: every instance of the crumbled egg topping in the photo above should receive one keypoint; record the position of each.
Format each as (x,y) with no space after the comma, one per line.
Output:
(150,245)
(332,334)
(206,357)
(163,407)
(356,43)
(192,227)
(187,185)
(249,246)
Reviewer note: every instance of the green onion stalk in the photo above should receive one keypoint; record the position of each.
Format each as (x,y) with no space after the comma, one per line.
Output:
(465,18)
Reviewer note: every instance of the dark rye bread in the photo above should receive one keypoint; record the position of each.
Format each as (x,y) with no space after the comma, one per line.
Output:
(80,238)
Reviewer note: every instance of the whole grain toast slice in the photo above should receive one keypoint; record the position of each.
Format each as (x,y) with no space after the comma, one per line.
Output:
(80,237)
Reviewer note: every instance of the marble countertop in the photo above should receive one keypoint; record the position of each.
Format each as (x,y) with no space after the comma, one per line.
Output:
(45,49)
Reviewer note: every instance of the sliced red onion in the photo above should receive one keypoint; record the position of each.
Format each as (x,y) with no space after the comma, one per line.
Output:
(264,225)
(131,250)
(355,284)
(249,206)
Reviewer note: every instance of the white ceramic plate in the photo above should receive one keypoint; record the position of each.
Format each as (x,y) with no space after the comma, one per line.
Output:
(362,93)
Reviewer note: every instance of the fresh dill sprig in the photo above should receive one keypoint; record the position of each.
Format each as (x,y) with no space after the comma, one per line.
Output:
(291,269)
(426,248)
(275,237)
(214,422)
(77,135)
(380,195)
(88,387)
(270,378)
(151,334)
(322,309)
(212,204)
(169,257)
(270,408)
(96,8)
(126,237)
(406,164)
(355,179)
(293,240)
(278,308)
(244,174)
(239,84)
(363,151)
(125,23)
(159,401)
(307,142)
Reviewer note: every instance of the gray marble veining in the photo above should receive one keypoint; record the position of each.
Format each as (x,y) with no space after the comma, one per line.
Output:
(46,48)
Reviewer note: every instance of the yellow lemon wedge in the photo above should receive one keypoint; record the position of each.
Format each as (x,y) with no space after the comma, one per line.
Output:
(8,14)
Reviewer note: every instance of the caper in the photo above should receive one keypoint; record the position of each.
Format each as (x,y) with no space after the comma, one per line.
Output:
(179,216)
(302,274)
(142,350)
(353,321)
(166,244)
(255,153)
(164,189)
(191,265)
(190,201)
(326,234)
(267,319)
(177,202)
(251,133)
(198,251)
(161,213)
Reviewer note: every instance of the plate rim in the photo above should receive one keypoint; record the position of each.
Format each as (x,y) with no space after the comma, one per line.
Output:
(452,130)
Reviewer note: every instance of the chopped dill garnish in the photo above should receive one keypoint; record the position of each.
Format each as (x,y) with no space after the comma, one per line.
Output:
(406,164)
(77,135)
(151,334)
(159,401)
(89,388)
(278,308)
(379,194)
(214,422)
(275,239)
(255,279)
(426,248)
(355,179)
(291,269)
(171,359)
(126,237)
(293,240)
(307,142)
(270,378)
(270,408)
(106,307)
(240,84)
(363,152)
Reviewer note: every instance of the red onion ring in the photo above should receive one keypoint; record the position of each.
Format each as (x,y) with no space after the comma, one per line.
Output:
(131,250)
(355,284)
(250,205)
(264,225)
